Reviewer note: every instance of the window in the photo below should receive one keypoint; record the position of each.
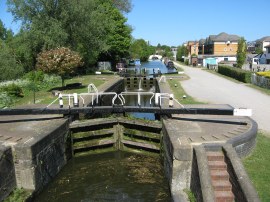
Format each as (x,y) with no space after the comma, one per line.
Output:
(226,59)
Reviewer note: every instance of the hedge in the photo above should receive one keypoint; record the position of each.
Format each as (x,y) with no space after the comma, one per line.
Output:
(238,74)
(265,74)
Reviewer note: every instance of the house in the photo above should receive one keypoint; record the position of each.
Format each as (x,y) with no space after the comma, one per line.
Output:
(193,50)
(264,58)
(251,49)
(222,47)
(262,43)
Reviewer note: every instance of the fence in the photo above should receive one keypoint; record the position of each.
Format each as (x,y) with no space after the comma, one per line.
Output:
(260,81)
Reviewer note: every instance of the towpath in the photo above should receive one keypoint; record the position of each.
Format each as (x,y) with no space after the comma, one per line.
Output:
(210,88)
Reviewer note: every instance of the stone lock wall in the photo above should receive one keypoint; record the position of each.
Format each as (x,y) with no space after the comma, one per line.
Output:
(7,172)
(38,161)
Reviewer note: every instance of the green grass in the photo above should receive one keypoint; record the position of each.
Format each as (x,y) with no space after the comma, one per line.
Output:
(257,166)
(45,96)
(179,92)
(18,195)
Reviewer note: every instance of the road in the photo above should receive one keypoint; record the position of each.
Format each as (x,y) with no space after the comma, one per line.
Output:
(210,88)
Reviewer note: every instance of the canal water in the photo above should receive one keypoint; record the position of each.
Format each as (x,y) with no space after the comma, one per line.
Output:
(114,176)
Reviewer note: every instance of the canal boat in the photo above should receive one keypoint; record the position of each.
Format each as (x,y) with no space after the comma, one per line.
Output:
(134,62)
(170,64)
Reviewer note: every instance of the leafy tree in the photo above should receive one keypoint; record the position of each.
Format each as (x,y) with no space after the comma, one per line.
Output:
(241,52)
(139,49)
(258,50)
(122,5)
(181,51)
(9,67)
(118,39)
(82,25)
(61,61)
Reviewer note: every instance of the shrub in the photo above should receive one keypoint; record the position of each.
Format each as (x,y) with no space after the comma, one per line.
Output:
(61,61)
(12,90)
(5,100)
(265,74)
(36,76)
(238,74)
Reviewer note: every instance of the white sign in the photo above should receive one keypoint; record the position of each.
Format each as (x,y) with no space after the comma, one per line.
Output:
(242,112)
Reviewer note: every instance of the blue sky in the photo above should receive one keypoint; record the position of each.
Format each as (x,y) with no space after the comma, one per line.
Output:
(172,22)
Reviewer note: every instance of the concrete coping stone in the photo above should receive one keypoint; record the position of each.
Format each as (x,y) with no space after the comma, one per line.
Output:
(241,175)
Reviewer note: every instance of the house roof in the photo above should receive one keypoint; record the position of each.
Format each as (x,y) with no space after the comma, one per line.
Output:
(225,37)
(266,38)
(202,41)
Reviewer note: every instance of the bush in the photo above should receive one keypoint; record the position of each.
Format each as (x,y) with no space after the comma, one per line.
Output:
(238,74)
(12,90)
(36,76)
(265,74)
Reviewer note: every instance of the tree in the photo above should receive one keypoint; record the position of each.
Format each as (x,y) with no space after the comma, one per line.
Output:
(118,39)
(139,49)
(181,52)
(122,5)
(61,61)
(9,67)
(82,25)
(241,52)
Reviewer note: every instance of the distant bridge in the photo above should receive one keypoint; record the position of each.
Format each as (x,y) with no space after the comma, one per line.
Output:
(155,57)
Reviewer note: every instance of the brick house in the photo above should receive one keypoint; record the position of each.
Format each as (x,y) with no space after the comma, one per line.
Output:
(222,47)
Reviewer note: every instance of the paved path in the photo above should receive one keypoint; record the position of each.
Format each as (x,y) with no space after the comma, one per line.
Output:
(211,88)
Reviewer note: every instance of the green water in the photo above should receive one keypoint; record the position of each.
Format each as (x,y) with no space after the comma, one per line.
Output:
(115,176)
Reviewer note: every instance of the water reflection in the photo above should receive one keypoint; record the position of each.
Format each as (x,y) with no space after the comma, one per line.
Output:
(116,176)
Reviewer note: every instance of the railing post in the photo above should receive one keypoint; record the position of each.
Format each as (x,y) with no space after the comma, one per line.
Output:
(61,103)
(75,100)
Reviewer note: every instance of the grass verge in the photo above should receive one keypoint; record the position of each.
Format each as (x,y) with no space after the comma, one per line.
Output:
(257,166)
(44,96)
(179,92)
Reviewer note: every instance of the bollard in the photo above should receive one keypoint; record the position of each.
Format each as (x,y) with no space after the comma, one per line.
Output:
(61,103)
(157,95)
(75,100)
(139,99)
(171,100)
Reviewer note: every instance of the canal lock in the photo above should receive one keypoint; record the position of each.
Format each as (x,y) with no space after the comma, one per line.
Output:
(122,132)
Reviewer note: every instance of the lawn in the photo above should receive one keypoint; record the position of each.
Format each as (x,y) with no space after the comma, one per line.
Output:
(179,92)
(45,96)
(258,167)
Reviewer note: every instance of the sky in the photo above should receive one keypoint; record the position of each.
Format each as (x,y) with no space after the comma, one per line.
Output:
(173,22)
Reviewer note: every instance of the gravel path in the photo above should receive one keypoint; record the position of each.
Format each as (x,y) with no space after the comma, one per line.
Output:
(213,89)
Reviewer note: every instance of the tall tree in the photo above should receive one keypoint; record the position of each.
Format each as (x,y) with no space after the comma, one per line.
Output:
(118,39)
(241,52)
(139,49)
(181,51)
(9,67)
(81,25)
